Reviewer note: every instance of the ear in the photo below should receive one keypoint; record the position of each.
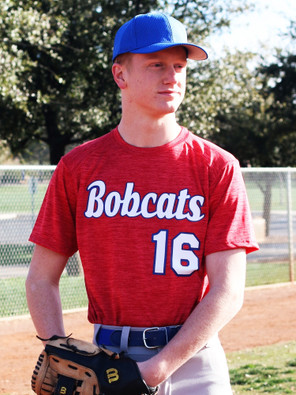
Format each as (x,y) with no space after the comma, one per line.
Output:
(118,75)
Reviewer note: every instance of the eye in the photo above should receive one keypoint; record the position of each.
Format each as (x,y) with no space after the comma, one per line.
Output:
(157,64)
(180,67)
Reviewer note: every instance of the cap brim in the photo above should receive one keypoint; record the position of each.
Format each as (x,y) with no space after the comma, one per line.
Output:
(194,51)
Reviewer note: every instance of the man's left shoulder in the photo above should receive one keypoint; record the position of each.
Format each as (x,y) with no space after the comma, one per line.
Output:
(211,151)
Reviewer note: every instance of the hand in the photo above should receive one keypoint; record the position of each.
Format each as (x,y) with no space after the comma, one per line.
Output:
(151,372)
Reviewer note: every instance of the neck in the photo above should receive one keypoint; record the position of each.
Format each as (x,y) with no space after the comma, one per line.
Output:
(151,133)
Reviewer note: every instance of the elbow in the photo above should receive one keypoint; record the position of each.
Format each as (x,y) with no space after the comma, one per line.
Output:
(36,284)
(31,286)
(236,301)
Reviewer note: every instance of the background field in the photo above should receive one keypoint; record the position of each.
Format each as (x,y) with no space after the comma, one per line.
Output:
(21,193)
(260,341)
(267,319)
(13,298)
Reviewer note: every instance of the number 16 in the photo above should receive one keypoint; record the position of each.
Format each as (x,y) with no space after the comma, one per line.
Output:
(183,259)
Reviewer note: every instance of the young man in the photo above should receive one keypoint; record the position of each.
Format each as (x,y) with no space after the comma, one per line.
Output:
(160,218)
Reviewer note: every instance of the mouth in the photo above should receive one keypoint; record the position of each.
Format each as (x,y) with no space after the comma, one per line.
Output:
(169,93)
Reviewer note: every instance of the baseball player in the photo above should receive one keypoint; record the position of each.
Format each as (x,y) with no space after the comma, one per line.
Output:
(160,218)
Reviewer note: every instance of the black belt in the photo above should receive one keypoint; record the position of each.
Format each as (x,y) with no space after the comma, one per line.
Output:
(149,337)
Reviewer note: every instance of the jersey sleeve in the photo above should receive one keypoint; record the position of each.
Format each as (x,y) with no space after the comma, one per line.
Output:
(55,224)
(230,223)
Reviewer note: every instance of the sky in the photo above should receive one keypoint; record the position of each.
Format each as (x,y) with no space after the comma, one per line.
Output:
(259,28)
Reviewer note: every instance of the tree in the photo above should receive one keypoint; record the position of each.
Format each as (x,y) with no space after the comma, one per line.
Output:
(223,104)
(62,91)
(55,81)
(279,141)
(253,113)
(279,92)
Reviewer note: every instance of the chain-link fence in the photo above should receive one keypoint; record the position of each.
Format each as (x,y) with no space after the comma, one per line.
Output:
(22,189)
(272,196)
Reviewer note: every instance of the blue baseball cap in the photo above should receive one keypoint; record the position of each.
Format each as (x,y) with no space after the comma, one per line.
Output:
(152,32)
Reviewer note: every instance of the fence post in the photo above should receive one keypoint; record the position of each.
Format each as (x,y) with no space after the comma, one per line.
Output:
(290,225)
(33,190)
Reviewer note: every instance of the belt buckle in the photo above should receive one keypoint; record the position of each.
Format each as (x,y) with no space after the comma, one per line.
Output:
(155,328)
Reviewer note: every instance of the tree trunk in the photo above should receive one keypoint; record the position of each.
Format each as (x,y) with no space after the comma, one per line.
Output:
(56,151)
(57,142)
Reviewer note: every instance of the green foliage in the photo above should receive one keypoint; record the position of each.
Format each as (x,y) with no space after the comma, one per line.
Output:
(249,112)
(260,129)
(222,89)
(56,85)
(279,92)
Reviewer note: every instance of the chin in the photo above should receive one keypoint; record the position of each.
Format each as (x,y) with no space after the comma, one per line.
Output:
(172,108)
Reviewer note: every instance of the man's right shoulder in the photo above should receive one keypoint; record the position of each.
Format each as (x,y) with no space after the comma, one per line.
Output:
(89,150)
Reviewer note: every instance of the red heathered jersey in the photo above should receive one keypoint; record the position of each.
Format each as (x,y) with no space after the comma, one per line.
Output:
(143,220)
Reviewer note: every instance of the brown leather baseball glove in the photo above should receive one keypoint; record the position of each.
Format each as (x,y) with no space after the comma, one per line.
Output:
(70,366)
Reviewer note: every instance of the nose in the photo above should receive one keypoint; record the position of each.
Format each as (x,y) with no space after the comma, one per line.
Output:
(170,76)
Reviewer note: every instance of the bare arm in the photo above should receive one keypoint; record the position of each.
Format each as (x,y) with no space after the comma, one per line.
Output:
(42,287)
(226,272)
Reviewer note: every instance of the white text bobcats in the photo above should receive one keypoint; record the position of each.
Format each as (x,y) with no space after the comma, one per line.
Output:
(131,204)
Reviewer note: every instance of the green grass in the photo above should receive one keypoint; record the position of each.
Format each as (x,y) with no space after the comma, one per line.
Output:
(13,299)
(264,370)
(278,200)
(278,196)
(267,273)
(13,295)
(73,292)
(17,198)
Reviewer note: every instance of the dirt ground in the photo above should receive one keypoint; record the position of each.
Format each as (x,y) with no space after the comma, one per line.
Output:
(267,317)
